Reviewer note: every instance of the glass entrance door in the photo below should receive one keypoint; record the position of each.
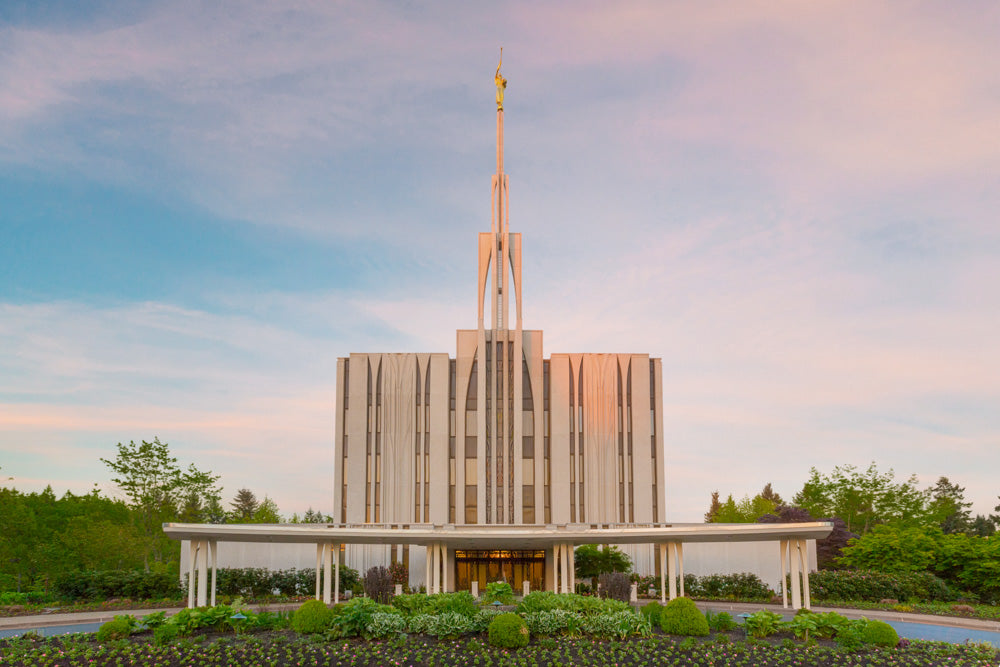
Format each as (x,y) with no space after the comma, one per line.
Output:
(514,567)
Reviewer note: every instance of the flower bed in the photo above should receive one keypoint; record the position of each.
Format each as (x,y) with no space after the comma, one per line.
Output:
(285,649)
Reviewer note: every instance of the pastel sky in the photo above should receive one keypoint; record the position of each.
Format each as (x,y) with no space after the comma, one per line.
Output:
(795,204)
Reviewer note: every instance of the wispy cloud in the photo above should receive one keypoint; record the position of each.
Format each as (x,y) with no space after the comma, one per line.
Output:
(793,204)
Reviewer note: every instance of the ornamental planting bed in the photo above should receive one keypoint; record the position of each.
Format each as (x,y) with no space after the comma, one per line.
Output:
(286,648)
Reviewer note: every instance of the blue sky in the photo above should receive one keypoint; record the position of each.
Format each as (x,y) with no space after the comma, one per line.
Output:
(794,205)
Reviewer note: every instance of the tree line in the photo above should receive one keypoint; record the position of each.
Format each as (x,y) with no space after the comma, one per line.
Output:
(44,535)
(885,525)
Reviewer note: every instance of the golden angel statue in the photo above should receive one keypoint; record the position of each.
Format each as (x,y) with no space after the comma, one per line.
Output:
(500,82)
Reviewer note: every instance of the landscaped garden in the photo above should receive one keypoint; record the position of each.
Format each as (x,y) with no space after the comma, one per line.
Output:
(457,629)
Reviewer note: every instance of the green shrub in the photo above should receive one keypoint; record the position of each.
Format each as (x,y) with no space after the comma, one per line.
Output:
(499,591)
(351,618)
(737,586)
(164,634)
(872,586)
(107,584)
(420,624)
(682,617)
(651,610)
(449,625)
(481,621)
(117,628)
(720,622)
(557,621)
(762,623)
(154,620)
(461,602)
(412,604)
(258,583)
(509,631)
(879,633)
(312,617)
(548,601)
(849,636)
(617,625)
(382,625)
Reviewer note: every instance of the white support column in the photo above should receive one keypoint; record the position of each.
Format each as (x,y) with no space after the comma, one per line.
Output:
(336,576)
(447,567)
(663,572)
(563,571)
(327,578)
(203,573)
(214,548)
(319,565)
(192,558)
(672,569)
(550,569)
(571,557)
(680,565)
(793,563)
(427,569)
(783,549)
(436,573)
(804,562)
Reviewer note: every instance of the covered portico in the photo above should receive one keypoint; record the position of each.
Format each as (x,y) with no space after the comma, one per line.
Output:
(442,541)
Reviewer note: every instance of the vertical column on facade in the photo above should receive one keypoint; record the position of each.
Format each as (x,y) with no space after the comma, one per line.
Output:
(202,573)
(192,557)
(662,549)
(327,578)
(319,567)
(794,571)
(680,565)
(550,569)
(783,557)
(672,569)
(804,563)
(571,557)
(213,546)
(447,568)
(427,569)
(336,575)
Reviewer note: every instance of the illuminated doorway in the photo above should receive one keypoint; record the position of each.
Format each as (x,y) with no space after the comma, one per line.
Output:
(514,567)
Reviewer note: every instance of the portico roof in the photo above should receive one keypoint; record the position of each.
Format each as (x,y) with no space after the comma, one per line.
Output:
(498,536)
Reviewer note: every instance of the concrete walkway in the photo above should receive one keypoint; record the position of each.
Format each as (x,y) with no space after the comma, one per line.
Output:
(81,617)
(882,615)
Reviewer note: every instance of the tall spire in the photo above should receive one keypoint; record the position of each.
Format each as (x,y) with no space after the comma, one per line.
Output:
(499,226)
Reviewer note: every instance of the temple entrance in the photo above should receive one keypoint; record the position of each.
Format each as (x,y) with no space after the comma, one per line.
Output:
(514,567)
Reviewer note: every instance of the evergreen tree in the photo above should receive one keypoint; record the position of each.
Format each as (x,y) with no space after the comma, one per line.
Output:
(713,508)
(244,505)
(948,507)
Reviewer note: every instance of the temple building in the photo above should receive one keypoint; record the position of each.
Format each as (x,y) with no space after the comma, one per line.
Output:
(495,464)
(499,434)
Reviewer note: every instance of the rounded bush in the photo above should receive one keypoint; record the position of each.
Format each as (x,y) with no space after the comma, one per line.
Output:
(682,617)
(879,633)
(118,628)
(652,610)
(312,617)
(509,631)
